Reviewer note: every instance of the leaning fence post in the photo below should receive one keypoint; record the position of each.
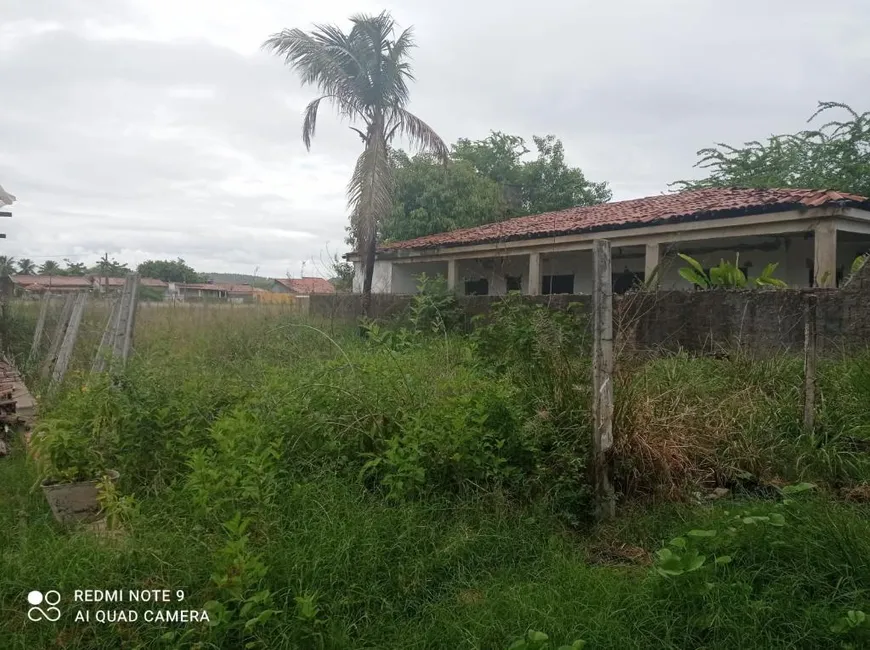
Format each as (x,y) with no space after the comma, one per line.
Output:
(810,339)
(118,336)
(40,326)
(69,339)
(130,320)
(59,329)
(602,379)
(104,348)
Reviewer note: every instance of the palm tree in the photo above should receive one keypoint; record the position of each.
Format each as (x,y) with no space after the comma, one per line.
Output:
(49,267)
(364,74)
(74,268)
(7,265)
(26,266)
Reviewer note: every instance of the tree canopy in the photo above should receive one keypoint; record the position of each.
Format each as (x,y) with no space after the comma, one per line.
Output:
(109,267)
(74,268)
(169,271)
(431,197)
(834,156)
(485,181)
(341,274)
(8,265)
(26,266)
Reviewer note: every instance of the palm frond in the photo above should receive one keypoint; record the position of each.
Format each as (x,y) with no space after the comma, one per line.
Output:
(369,192)
(397,68)
(385,60)
(362,136)
(309,121)
(324,58)
(420,134)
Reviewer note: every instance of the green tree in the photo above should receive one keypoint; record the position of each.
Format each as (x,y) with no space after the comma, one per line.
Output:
(364,74)
(26,266)
(498,156)
(111,268)
(74,268)
(341,274)
(834,156)
(430,197)
(486,181)
(549,184)
(169,271)
(7,265)
(50,267)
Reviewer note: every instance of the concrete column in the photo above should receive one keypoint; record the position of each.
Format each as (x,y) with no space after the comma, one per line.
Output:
(534,274)
(452,274)
(602,378)
(825,263)
(652,261)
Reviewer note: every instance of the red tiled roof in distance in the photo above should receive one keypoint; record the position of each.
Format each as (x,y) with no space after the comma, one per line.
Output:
(305,286)
(119,282)
(693,205)
(53,280)
(84,281)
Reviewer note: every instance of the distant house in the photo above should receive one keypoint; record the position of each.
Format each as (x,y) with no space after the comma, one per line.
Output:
(812,235)
(217,292)
(116,284)
(302,286)
(37,284)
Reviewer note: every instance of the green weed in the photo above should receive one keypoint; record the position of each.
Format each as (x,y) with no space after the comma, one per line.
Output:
(428,489)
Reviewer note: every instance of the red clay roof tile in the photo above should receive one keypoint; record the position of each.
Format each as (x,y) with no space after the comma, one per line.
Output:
(84,282)
(694,205)
(119,282)
(306,285)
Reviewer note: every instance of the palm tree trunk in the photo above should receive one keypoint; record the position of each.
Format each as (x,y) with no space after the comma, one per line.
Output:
(374,187)
(370,245)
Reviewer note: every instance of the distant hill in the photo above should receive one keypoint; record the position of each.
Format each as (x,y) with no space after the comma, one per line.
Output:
(239,278)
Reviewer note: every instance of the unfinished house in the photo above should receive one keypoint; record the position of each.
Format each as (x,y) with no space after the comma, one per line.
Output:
(813,236)
(304,286)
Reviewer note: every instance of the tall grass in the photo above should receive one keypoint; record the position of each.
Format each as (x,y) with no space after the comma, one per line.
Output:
(410,490)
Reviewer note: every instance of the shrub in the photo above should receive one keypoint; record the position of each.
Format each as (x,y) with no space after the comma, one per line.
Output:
(78,442)
(727,275)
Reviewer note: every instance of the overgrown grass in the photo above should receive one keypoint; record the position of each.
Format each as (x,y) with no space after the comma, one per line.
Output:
(409,490)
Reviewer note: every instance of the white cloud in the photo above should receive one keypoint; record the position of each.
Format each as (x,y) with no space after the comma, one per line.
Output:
(157,128)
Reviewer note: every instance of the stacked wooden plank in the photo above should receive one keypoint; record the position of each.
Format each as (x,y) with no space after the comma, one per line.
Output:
(17,405)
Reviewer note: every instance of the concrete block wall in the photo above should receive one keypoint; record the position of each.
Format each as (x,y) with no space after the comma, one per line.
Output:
(761,322)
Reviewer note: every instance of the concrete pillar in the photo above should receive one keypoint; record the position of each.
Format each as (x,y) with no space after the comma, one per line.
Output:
(534,274)
(452,274)
(825,263)
(652,261)
(602,378)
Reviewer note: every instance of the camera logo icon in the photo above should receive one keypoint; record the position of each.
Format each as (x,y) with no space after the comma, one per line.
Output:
(37,613)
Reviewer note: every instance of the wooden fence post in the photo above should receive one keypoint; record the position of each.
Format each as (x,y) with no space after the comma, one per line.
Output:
(602,379)
(810,340)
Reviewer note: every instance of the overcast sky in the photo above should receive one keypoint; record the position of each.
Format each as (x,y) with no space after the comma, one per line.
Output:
(157,128)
